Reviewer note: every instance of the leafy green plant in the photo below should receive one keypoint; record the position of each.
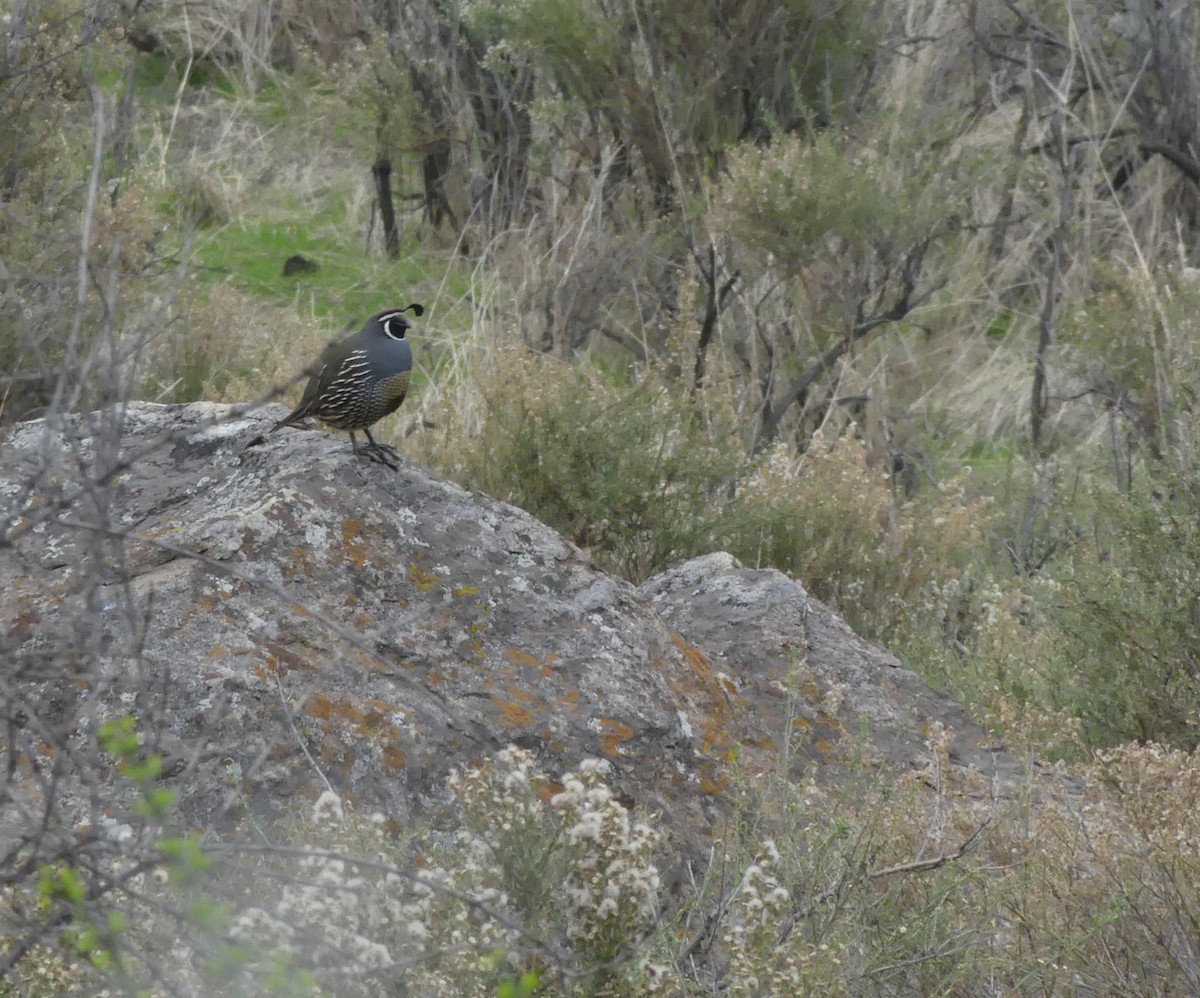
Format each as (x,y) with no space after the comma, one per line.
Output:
(634,469)
(1128,611)
(833,520)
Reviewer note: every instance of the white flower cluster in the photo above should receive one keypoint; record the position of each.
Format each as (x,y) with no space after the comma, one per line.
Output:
(573,867)
(593,861)
(613,882)
(760,898)
(756,913)
(347,920)
(324,916)
(457,933)
(506,790)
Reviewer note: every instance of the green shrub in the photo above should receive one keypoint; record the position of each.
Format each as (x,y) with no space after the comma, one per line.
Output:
(1128,612)
(646,475)
(832,519)
(636,470)
(1094,639)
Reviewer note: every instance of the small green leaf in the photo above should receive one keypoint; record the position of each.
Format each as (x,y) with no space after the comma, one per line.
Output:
(61,884)
(185,856)
(157,802)
(119,737)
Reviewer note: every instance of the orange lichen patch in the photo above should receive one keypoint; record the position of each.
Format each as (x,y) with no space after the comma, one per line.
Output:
(711,700)
(369,663)
(713,785)
(715,737)
(300,565)
(810,691)
(725,684)
(421,578)
(370,720)
(513,714)
(25,625)
(207,601)
(283,660)
(569,699)
(390,709)
(694,657)
(547,789)
(353,542)
(249,542)
(323,709)
(521,694)
(217,652)
(518,657)
(373,720)
(612,734)
(716,740)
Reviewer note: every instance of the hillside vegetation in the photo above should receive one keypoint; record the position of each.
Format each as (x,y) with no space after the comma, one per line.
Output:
(900,298)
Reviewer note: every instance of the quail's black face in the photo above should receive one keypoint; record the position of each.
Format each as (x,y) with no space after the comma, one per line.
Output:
(394,325)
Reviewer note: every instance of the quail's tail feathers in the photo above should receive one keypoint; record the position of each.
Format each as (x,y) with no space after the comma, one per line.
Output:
(292,417)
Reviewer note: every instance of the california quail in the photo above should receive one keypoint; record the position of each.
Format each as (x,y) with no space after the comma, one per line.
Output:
(359,380)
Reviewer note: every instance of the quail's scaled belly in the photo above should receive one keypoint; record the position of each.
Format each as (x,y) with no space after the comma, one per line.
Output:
(394,389)
(372,403)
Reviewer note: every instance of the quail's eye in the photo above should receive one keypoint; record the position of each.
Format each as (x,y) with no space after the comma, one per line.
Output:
(395,327)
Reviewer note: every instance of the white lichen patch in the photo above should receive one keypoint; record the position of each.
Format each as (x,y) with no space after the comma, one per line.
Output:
(220,431)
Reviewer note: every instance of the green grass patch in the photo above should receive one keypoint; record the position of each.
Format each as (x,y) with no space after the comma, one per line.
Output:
(1000,326)
(347,282)
(986,453)
(156,77)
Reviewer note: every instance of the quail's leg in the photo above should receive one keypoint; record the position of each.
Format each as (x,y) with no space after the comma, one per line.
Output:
(381,452)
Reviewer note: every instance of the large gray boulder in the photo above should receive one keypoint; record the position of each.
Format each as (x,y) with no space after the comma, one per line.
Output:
(787,663)
(310,618)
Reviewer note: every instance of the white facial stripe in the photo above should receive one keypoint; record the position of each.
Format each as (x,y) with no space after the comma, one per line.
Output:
(388,320)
